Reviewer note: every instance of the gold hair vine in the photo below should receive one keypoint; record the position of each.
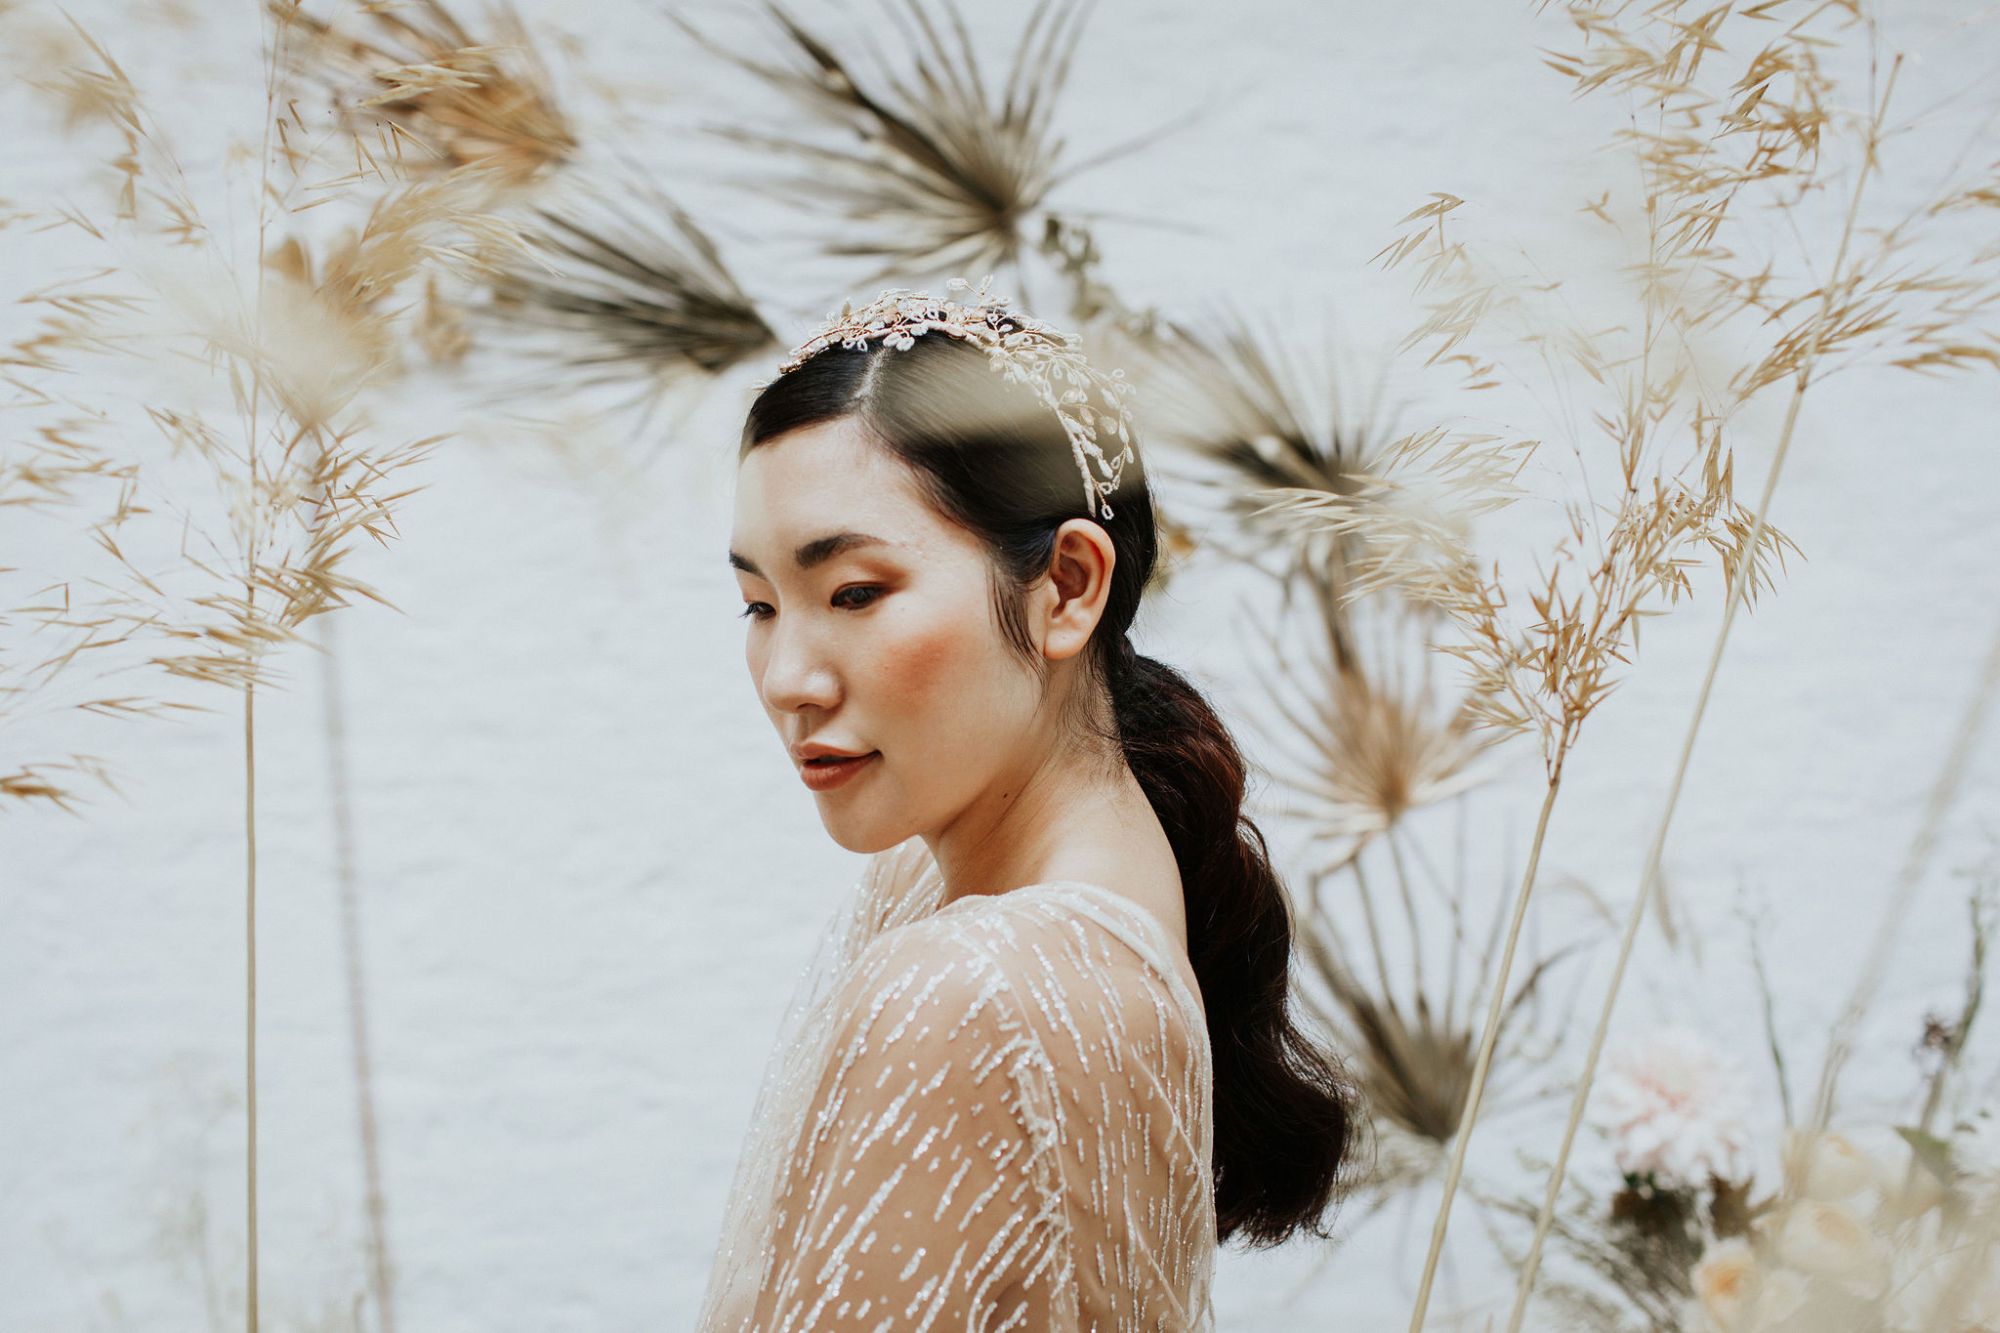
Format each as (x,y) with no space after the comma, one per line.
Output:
(1025,350)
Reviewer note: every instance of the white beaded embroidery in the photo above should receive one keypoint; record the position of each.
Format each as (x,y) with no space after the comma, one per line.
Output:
(991,1113)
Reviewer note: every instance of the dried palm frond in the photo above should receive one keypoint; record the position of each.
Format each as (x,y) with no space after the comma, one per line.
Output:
(1646,1267)
(944,178)
(638,291)
(1241,395)
(489,104)
(1360,748)
(1414,1067)
(1365,752)
(1238,394)
(1414,1057)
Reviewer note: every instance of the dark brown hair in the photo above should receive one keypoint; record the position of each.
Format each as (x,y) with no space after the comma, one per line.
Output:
(994,459)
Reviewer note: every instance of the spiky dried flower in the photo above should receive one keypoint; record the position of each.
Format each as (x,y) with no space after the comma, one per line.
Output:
(620,283)
(1414,1056)
(927,168)
(1360,747)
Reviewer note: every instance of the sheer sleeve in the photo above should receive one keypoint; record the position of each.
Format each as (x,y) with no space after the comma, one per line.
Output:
(987,1114)
(896,885)
(925,1191)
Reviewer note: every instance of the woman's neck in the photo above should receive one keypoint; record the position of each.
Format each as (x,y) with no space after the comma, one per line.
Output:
(1076,818)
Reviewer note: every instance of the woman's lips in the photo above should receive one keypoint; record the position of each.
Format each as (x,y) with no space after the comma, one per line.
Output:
(828,775)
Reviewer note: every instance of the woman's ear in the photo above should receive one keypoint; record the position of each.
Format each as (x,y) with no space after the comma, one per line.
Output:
(1078,585)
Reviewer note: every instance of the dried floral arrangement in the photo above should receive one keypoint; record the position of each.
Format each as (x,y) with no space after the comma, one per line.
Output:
(1739,109)
(294,343)
(1874,1227)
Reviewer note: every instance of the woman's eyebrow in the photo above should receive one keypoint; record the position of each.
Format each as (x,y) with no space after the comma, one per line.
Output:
(815,552)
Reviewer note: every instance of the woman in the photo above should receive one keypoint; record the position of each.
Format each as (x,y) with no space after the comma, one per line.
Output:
(1044,1061)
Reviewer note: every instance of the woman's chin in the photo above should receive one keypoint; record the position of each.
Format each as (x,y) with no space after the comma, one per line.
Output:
(864,836)
(850,836)
(852,829)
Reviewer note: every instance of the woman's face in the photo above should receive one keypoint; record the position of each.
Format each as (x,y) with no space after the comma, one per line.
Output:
(883,641)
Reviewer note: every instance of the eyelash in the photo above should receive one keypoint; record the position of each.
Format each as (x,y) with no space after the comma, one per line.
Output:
(750,608)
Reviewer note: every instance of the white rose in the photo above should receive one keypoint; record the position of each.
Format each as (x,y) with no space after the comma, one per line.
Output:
(1779,1296)
(1826,1240)
(1831,1165)
(1724,1281)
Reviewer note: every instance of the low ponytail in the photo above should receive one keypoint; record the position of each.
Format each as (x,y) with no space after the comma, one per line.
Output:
(994,459)
(1283,1112)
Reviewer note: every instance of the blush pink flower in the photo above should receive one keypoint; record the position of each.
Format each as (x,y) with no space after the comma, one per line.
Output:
(1675,1107)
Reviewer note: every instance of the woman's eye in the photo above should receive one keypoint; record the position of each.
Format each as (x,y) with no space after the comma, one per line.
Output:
(763,611)
(873,590)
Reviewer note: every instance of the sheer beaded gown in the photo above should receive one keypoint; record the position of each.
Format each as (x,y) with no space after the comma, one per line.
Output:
(993,1114)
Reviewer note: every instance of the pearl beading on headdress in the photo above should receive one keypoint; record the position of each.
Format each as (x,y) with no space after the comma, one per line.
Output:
(1026,350)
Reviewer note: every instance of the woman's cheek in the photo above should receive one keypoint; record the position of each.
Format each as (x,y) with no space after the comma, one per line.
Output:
(916,665)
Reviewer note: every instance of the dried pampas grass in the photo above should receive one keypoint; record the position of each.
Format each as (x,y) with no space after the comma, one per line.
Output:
(465,102)
(252,376)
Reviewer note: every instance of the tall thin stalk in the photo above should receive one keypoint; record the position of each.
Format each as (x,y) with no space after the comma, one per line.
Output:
(1463,1136)
(1650,874)
(1965,736)
(379,1271)
(274,41)
(250,984)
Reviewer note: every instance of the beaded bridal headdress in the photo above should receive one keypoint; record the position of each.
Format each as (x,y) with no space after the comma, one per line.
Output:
(1090,403)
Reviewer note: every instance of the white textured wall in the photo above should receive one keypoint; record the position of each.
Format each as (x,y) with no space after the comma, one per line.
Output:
(590,874)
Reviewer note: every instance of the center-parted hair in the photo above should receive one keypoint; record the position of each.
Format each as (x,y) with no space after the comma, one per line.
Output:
(993,459)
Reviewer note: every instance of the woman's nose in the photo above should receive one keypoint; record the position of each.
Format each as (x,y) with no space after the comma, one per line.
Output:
(796,673)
